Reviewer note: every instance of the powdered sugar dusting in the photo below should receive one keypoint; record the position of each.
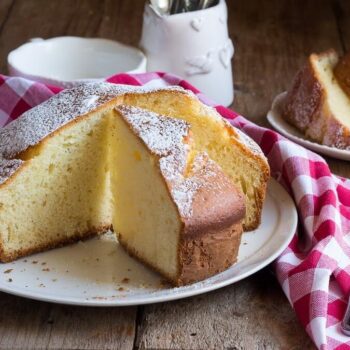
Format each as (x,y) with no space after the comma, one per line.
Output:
(39,122)
(8,168)
(201,175)
(248,142)
(161,134)
(167,138)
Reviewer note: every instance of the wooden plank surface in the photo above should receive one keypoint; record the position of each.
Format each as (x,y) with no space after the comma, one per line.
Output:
(251,314)
(271,42)
(28,324)
(342,10)
(5,11)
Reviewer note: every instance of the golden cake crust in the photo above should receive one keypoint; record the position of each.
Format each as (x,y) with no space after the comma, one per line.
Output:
(212,235)
(250,149)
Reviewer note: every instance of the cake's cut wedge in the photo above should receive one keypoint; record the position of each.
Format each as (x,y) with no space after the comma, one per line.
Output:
(240,157)
(60,194)
(174,208)
(317,104)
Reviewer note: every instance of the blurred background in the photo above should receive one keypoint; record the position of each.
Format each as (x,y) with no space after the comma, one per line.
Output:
(271,38)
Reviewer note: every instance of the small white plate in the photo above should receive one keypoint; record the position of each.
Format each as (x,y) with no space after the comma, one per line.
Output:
(283,127)
(99,273)
(66,61)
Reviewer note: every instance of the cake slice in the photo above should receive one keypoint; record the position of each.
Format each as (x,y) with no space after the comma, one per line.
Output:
(317,103)
(238,155)
(174,208)
(59,194)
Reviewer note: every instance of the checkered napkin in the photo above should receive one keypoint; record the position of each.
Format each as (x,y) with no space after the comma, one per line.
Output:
(314,271)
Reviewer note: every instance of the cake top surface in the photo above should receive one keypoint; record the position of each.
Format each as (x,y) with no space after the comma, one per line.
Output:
(167,138)
(37,123)
(188,179)
(161,134)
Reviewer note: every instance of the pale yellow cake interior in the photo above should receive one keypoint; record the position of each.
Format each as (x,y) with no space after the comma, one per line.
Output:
(143,206)
(89,176)
(211,137)
(337,99)
(64,194)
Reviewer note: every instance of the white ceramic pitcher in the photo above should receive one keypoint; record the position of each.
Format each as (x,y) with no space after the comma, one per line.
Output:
(194,45)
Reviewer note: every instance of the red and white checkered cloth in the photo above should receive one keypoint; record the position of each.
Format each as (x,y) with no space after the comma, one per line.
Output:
(314,271)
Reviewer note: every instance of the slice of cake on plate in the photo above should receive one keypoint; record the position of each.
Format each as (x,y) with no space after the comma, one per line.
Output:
(174,208)
(317,102)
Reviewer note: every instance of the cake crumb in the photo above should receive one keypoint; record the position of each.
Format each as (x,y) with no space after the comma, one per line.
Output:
(41,285)
(125,280)
(129,270)
(8,271)
(34,262)
(121,289)
(54,280)
(43,263)
(25,260)
(46,270)
(10,280)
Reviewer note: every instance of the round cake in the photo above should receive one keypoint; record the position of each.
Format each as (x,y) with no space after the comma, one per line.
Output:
(143,162)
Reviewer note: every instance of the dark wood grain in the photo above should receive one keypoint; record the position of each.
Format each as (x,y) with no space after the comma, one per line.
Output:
(252,314)
(28,324)
(271,40)
(5,11)
(342,11)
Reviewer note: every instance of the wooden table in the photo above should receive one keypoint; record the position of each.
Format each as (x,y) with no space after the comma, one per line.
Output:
(272,39)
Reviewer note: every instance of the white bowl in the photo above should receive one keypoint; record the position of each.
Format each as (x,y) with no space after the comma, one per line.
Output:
(66,61)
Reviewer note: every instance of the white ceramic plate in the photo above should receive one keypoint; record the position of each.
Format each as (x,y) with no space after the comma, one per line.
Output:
(66,61)
(278,123)
(99,273)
